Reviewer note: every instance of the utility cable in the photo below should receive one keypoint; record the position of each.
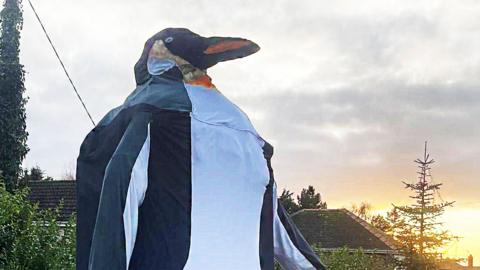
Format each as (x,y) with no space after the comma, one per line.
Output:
(61,63)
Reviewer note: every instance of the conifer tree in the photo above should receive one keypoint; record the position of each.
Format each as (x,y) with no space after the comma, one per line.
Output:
(416,226)
(286,198)
(309,199)
(13,134)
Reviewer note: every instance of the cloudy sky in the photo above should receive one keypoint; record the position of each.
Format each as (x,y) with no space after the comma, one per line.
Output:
(346,91)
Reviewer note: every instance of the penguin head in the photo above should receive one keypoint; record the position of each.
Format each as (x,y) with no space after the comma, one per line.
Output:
(183,46)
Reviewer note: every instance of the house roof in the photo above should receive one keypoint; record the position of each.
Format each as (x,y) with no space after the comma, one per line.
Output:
(49,194)
(456,266)
(330,228)
(337,228)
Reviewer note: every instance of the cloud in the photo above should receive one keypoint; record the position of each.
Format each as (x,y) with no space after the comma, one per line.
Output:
(347,91)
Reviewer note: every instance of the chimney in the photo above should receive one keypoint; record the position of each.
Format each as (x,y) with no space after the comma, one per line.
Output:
(470,261)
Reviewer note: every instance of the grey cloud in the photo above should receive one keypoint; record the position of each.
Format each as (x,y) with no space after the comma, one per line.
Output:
(343,89)
(386,121)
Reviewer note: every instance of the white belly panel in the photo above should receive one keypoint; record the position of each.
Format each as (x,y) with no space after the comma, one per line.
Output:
(229,177)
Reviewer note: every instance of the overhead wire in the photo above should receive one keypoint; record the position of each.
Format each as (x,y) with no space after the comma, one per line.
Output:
(61,63)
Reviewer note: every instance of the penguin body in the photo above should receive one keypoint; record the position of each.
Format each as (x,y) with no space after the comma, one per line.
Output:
(177,177)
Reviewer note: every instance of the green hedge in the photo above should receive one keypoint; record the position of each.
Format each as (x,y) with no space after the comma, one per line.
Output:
(31,238)
(347,259)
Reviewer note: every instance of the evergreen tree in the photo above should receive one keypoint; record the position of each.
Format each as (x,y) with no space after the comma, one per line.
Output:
(380,222)
(13,134)
(286,198)
(35,174)
(309,199)
(416,226)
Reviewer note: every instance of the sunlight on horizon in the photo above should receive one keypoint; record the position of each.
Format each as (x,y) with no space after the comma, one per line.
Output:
(463,222)
(460,222)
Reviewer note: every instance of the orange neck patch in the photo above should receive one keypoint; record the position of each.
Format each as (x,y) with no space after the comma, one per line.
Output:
(203,80)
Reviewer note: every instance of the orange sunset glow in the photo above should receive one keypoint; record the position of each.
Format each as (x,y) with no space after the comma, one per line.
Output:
(347,92)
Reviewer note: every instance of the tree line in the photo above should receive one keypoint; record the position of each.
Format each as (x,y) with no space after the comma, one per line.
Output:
(308,199)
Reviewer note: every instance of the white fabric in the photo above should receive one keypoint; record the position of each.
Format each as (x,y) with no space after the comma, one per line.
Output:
(159,66)
(210,106)
(229,177)
(135,195)
(284,250)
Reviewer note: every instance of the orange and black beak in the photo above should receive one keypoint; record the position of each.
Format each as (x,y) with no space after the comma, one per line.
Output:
(201,52)
(221,49)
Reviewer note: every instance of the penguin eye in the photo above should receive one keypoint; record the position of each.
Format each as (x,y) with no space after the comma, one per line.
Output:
(168,39)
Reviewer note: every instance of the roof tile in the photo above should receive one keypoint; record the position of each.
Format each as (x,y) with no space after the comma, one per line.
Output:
(49,194)
(337,228)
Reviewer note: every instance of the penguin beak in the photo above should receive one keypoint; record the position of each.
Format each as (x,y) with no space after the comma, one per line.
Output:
(221,49)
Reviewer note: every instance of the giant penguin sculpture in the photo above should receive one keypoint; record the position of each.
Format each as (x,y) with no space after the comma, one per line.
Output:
(177,177)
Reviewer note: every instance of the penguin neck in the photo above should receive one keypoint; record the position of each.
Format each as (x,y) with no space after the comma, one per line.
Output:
(188,74)
(195,76)
(161,60)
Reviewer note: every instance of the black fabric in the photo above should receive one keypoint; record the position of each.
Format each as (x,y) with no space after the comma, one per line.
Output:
(108,241)
(163,237)
(95,153)
(165,91)
(294,234)
(190,46)
(297,238)
(173,74)
(268,154)
(140,69)
(267,261)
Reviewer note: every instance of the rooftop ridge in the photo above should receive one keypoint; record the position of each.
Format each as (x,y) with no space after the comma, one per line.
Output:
(375,231)
(370,238)
(314,210)
(50,181)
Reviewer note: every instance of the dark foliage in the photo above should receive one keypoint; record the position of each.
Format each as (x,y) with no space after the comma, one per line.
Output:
(13,134)
(286,198)
(34,174)
(309,199)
